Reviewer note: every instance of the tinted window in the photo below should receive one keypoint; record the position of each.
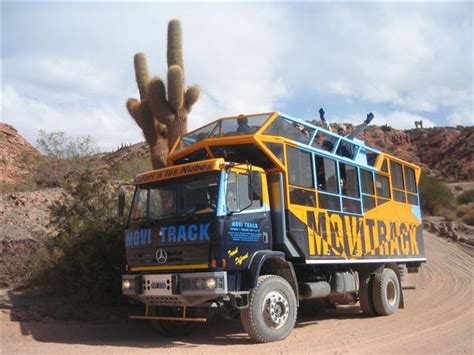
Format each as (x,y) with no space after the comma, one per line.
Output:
(399,195)
(349,180)
(397,175)
(346,149)
(277,150)
(412,199)
(381,184)
(324,141)
(329,202)
(241,125)
(200,154)
(327,175)
(198,135)
(302,197)
(300,168)
(352,206)
(232,201)
(371,157)
(367,181)
(410,179)
(369,202)
(237,197)
(290,129)
(384,166)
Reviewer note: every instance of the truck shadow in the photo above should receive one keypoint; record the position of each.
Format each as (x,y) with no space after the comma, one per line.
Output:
(126,333)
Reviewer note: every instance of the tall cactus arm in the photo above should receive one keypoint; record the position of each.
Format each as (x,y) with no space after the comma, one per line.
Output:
(156,97)
(175,87)
(191,96)
(144,118)
(175,44)
(141,73)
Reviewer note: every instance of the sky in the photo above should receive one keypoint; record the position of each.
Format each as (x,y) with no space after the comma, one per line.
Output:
(69,66)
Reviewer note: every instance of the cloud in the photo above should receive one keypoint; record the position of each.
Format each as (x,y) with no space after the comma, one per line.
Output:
(412,57)
(230,51)
(69,66)
(105,123)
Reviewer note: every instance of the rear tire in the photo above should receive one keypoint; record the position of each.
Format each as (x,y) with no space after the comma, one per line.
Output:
(170,328)
(272,310)
(386,292)
(365,294)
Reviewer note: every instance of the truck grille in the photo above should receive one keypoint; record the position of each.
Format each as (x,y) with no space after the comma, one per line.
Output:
(177,255)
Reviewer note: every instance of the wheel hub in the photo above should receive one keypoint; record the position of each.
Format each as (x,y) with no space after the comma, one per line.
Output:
(275,309)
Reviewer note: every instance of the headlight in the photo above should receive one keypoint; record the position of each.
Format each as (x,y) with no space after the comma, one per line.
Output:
(126,284)
(211,283)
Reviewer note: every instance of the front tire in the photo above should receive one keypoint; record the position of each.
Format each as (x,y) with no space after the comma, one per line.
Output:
(272,310)
(386,292)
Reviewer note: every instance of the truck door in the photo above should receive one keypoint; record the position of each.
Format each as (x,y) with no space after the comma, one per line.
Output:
(245,226)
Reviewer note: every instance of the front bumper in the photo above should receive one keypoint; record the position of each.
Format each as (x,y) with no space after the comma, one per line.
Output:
(175,289)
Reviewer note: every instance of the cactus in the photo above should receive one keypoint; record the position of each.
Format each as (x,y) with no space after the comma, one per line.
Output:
(162,112)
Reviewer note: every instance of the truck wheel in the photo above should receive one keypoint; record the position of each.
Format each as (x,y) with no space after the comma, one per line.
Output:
(272,310)
(386,292)
(171,328)
(365,294)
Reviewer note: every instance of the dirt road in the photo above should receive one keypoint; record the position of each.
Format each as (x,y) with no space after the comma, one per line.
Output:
(438,318)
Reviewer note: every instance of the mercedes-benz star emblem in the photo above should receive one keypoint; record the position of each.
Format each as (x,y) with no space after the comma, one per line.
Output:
(161,256)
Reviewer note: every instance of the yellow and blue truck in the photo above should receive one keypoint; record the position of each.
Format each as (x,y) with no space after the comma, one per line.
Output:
(255,214)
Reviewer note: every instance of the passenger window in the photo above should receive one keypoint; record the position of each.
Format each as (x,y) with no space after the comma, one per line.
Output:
(410,179)
(397,175)
(369,202)
(349,180)
(324,141)
(382,186)
(327,175)
(300,168)
(399,196)
(384,166)
(290,129)
(277,150)
(346,149)
(329,202)
(350,205)
(367,181)
(371,157)
(302,197)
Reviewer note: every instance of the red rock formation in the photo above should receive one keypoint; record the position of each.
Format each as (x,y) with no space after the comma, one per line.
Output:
(16,155)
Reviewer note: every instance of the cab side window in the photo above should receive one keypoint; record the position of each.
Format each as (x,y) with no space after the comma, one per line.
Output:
(239,197)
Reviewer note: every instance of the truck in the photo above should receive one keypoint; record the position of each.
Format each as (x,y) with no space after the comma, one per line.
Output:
(256,215)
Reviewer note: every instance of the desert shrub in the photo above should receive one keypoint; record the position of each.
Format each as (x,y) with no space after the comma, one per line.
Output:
(466,213)
(127,170)
(87,254)
(434,195)
(466,197)
(64,159)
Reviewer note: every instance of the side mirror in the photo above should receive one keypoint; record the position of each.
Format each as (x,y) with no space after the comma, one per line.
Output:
(121,202)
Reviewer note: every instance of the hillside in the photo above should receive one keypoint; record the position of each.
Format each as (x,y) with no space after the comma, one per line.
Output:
(16,155)
(446,152)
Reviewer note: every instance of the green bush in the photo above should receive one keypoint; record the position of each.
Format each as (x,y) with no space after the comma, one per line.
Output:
(87,255)
(435,196)
(65,158)
(466,197)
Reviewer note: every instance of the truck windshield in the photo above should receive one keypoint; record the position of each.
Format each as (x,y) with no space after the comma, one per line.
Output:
(180,197)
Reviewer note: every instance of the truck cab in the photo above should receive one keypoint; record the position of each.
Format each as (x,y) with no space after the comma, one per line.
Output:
(257,213)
